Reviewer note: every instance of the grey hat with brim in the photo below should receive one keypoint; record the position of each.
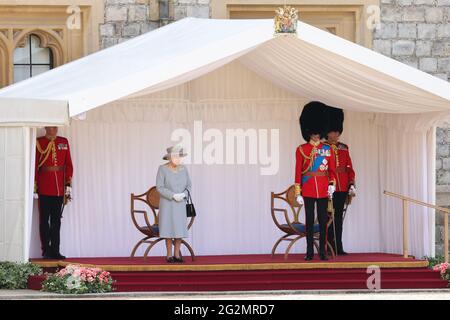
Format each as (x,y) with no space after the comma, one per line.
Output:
(177,150)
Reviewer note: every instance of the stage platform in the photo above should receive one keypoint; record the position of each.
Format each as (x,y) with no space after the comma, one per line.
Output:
(257,272)
(241,262)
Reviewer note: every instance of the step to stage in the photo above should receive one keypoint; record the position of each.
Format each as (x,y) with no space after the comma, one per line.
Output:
(258,272)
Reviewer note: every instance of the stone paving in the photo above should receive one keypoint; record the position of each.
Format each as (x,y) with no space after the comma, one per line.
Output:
(253,295)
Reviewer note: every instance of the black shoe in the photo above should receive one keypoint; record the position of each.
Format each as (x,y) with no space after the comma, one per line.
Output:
(323,257)
(178,260)
(59,256)
(170,260)
(48,256)
(308,258)
(342,253)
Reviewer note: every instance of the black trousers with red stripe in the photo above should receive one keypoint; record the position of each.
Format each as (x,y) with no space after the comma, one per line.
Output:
(322,216)
(50,212)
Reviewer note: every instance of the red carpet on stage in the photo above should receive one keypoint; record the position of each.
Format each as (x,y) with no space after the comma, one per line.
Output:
(257,272)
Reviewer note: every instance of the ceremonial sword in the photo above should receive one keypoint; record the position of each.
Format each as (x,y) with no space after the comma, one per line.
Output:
(331,209)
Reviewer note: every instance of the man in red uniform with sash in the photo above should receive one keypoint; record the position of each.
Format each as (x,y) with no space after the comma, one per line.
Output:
(53,177)
(314,174)
(345,175)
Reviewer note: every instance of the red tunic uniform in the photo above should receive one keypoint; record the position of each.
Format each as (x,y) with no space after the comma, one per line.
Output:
(53,166)
(314,170)
(345,175)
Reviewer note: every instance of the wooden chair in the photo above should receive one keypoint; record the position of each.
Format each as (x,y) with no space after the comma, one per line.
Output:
(151,230)
(292,228)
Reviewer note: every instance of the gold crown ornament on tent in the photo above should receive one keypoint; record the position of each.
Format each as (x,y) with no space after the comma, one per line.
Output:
(286,20)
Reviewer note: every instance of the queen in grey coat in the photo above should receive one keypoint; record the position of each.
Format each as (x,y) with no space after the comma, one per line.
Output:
(173,183)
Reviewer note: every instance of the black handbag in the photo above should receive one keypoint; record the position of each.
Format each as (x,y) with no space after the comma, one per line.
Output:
(190,209)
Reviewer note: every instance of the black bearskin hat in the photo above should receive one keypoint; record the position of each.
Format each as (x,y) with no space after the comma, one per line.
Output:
(335,119)
(314,120)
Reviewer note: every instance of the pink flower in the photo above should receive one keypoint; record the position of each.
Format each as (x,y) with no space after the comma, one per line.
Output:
(76,273)
(86,274)
(443,268)
(105,273)
(62,272)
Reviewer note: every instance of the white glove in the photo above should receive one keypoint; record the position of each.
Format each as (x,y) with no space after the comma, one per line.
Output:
(331,190)
(179,196)
(68,193)
(35,192)
(352,191)
(299,200)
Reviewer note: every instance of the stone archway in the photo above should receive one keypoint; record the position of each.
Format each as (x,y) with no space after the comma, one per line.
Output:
(344,18)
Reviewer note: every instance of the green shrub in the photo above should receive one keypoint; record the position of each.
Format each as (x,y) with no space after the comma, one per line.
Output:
(433,261)
(15,275)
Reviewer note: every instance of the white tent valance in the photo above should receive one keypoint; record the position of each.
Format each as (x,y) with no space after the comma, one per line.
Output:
(22,112)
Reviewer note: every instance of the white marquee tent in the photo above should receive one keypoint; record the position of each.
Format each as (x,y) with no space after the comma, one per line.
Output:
(121,107)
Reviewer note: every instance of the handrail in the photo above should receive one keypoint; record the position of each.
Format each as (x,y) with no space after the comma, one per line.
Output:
(432,206)
(442,210)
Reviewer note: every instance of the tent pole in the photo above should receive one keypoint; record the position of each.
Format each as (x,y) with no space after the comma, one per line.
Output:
(446,237)
(405,228)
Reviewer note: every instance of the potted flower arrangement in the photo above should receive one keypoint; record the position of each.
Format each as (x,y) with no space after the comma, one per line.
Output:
(444,269)
(75,279)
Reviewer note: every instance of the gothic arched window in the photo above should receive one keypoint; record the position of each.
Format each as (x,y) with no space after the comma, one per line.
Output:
(31,59)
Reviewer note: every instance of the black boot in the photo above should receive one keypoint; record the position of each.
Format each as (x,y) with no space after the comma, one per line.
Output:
(48,253)
(48,256)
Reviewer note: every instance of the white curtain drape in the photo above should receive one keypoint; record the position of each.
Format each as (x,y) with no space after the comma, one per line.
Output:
(116,151)
(114,158)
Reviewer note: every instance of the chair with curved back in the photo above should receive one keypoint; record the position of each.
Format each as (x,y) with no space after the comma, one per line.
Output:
(151,230)
(292,228)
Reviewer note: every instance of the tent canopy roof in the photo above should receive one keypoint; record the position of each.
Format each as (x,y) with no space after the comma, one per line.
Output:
(314,64)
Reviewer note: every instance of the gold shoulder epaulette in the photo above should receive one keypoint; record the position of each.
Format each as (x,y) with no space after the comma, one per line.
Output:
(342,146)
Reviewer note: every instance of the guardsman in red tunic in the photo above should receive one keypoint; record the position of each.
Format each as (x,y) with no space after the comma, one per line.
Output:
(314,174)
(53,177)
(345,175)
